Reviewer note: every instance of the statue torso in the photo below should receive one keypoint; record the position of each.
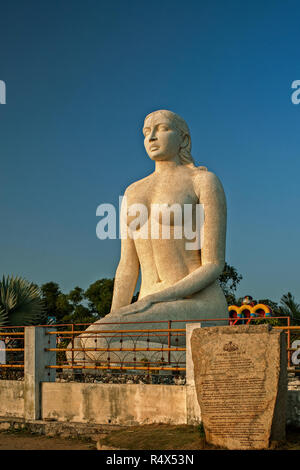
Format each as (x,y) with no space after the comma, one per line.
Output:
(164,261)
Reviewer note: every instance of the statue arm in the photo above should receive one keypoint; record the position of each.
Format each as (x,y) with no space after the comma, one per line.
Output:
(126,275)
(211,195)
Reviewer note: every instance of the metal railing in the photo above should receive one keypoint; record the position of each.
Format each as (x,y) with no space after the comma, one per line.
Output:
(132,346)
(151,347)
(12,352)
(110,349)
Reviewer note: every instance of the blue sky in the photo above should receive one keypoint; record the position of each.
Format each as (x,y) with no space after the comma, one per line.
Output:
(80,78)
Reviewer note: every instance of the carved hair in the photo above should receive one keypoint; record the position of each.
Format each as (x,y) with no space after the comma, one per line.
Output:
(182,127)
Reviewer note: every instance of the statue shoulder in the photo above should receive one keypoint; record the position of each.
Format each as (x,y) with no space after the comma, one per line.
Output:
(137,186)
(206,181)
(203,174)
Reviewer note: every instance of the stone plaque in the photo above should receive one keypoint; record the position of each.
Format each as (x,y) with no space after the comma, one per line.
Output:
(241,383)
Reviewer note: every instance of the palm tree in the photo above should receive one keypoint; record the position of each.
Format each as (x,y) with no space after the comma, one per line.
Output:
(20,303)
(290,307)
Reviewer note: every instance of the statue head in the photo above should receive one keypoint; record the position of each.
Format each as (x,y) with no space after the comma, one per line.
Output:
(181,128)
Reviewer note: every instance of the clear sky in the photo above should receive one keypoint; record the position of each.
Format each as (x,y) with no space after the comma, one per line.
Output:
(80,78)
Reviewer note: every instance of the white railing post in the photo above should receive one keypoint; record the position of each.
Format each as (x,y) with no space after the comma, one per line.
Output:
(35,372)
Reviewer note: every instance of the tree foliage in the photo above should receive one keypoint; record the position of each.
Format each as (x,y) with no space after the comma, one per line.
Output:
(63,308)
(76,296)
(99,296)
(50,294)
(78,306)
(290,307)
(20,303)
(229,280)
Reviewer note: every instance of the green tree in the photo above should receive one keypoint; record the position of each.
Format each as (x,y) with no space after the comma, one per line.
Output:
(79,313)
(50,293)
(82,315)
(99,296)
(229,280)
(63,308)
(76,296)
(290,307)
(20,303)
(56,303)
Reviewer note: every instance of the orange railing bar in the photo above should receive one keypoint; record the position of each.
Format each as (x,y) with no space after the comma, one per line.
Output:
(116,331)
(12,334)
(12,365)
(115,367)
(116,349)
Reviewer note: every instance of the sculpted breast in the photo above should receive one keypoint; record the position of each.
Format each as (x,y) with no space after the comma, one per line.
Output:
(163,204)
(172,207)
(136,206)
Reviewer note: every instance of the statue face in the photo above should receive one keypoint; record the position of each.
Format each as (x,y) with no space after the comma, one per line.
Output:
(162,139)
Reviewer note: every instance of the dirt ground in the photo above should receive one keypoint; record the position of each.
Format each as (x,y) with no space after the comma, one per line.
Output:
(22,441)
(182,437)
(148,437)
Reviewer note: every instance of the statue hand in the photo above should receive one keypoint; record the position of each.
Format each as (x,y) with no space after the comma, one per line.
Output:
(141,305)
(136,307)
